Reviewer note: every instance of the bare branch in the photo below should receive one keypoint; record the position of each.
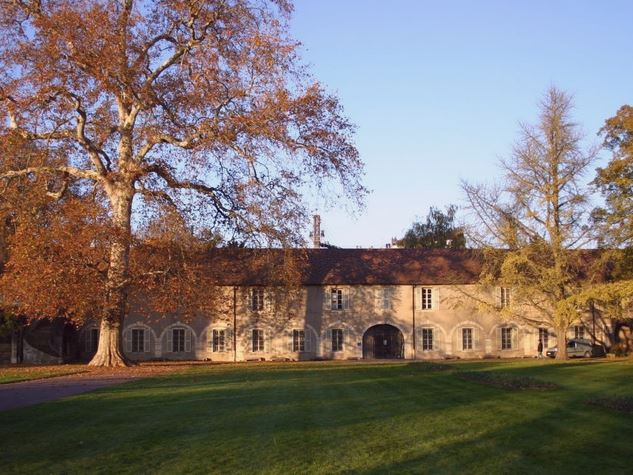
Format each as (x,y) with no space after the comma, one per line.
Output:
(94,153)
(209,191)
(72,171)
(186,143)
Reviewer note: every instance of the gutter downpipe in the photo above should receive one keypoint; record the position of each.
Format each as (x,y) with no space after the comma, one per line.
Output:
(415,353)
(234,324)
(593,319)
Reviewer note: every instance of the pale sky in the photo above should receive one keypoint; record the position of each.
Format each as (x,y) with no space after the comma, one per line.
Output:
(437,89)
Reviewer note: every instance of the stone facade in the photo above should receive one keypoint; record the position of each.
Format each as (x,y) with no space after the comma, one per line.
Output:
(333,322)
(338,304)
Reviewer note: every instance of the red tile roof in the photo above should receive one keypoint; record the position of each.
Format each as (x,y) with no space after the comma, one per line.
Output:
(344,266)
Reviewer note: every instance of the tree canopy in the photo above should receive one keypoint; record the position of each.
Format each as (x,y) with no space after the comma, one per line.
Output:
(201,109)
(439,231)
(531,223)
(615,181)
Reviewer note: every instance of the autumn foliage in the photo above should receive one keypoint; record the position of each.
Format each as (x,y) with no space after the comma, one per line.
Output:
(202,108)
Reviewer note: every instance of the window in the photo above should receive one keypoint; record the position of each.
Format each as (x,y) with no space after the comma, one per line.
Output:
(257,300)
(138,340)
(543,335)
(178,340)
(427,298)
(504,296)
(298,340)
(427,339)
(467,338)
(506,338)
(337,339)
(339,299)
(257,340)
(579,332)
(92,342)
(218,342)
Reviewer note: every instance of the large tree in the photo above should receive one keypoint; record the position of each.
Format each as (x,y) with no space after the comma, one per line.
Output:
(615,181)
(613,224)
(202,106)
(439,231)
(532,224)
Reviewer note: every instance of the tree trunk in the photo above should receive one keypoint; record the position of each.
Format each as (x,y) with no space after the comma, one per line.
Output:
(561,336)
(109,352)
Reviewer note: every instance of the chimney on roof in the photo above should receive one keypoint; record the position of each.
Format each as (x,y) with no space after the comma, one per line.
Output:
(316,233)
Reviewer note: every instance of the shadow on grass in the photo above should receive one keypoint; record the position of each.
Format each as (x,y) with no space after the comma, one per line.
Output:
(311,418)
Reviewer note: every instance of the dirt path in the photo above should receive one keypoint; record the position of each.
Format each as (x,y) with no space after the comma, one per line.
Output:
(26,393)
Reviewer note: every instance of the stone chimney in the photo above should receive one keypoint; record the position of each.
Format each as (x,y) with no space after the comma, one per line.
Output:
(316,233)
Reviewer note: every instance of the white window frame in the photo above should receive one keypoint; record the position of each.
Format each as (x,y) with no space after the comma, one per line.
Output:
(218,340)
(468,338)
(257,299)
(337,339)
(428,339)
(138,346)
(427,298)
(506,338)
(339,299)
(298,340)
(259,345)
(579,332)
(174,343)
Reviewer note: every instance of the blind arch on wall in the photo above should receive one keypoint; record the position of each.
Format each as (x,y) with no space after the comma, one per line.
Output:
(148,338)
(206,336)
(312,340)
(348,335)
(190,338)
(479,335)
(440,338)
(516,336)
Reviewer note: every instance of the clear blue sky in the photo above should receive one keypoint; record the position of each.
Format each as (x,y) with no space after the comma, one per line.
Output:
(437,89)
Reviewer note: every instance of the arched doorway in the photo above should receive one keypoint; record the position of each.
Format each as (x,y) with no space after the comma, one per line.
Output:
(383,342)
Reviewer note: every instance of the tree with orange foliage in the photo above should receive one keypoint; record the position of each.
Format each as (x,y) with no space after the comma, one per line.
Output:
(202,106)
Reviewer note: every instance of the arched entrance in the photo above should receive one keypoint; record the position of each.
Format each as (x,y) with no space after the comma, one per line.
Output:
(383,342)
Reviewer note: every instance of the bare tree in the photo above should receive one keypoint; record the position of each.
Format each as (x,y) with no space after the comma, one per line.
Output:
(200,105)
(529,223)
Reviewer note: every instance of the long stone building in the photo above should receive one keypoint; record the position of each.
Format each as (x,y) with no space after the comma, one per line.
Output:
(335,304)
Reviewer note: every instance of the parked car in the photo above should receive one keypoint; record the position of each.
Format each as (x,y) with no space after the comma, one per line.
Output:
(579,348)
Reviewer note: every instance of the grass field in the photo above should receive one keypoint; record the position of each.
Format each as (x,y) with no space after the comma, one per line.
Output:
(335,418)
(14,374)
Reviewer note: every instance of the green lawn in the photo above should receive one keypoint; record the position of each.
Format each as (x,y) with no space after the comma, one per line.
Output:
(13,374)
(333,418)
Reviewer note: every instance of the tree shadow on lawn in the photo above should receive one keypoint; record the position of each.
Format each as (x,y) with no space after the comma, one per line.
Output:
(277,417)
(583,378)
(556,442)
(227,411)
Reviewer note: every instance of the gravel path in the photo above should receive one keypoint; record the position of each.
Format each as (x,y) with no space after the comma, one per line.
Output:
(26,393)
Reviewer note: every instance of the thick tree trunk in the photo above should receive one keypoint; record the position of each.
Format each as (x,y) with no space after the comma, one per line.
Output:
(109,351)
(561,336)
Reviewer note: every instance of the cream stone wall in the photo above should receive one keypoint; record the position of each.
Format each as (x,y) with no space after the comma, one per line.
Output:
(309,309)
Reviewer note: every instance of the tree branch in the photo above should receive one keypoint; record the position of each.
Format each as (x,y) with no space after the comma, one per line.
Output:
(184,143)
(72,171)
(94,153)
(209,191)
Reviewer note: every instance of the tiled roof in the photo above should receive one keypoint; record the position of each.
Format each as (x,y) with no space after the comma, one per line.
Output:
(343,266)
